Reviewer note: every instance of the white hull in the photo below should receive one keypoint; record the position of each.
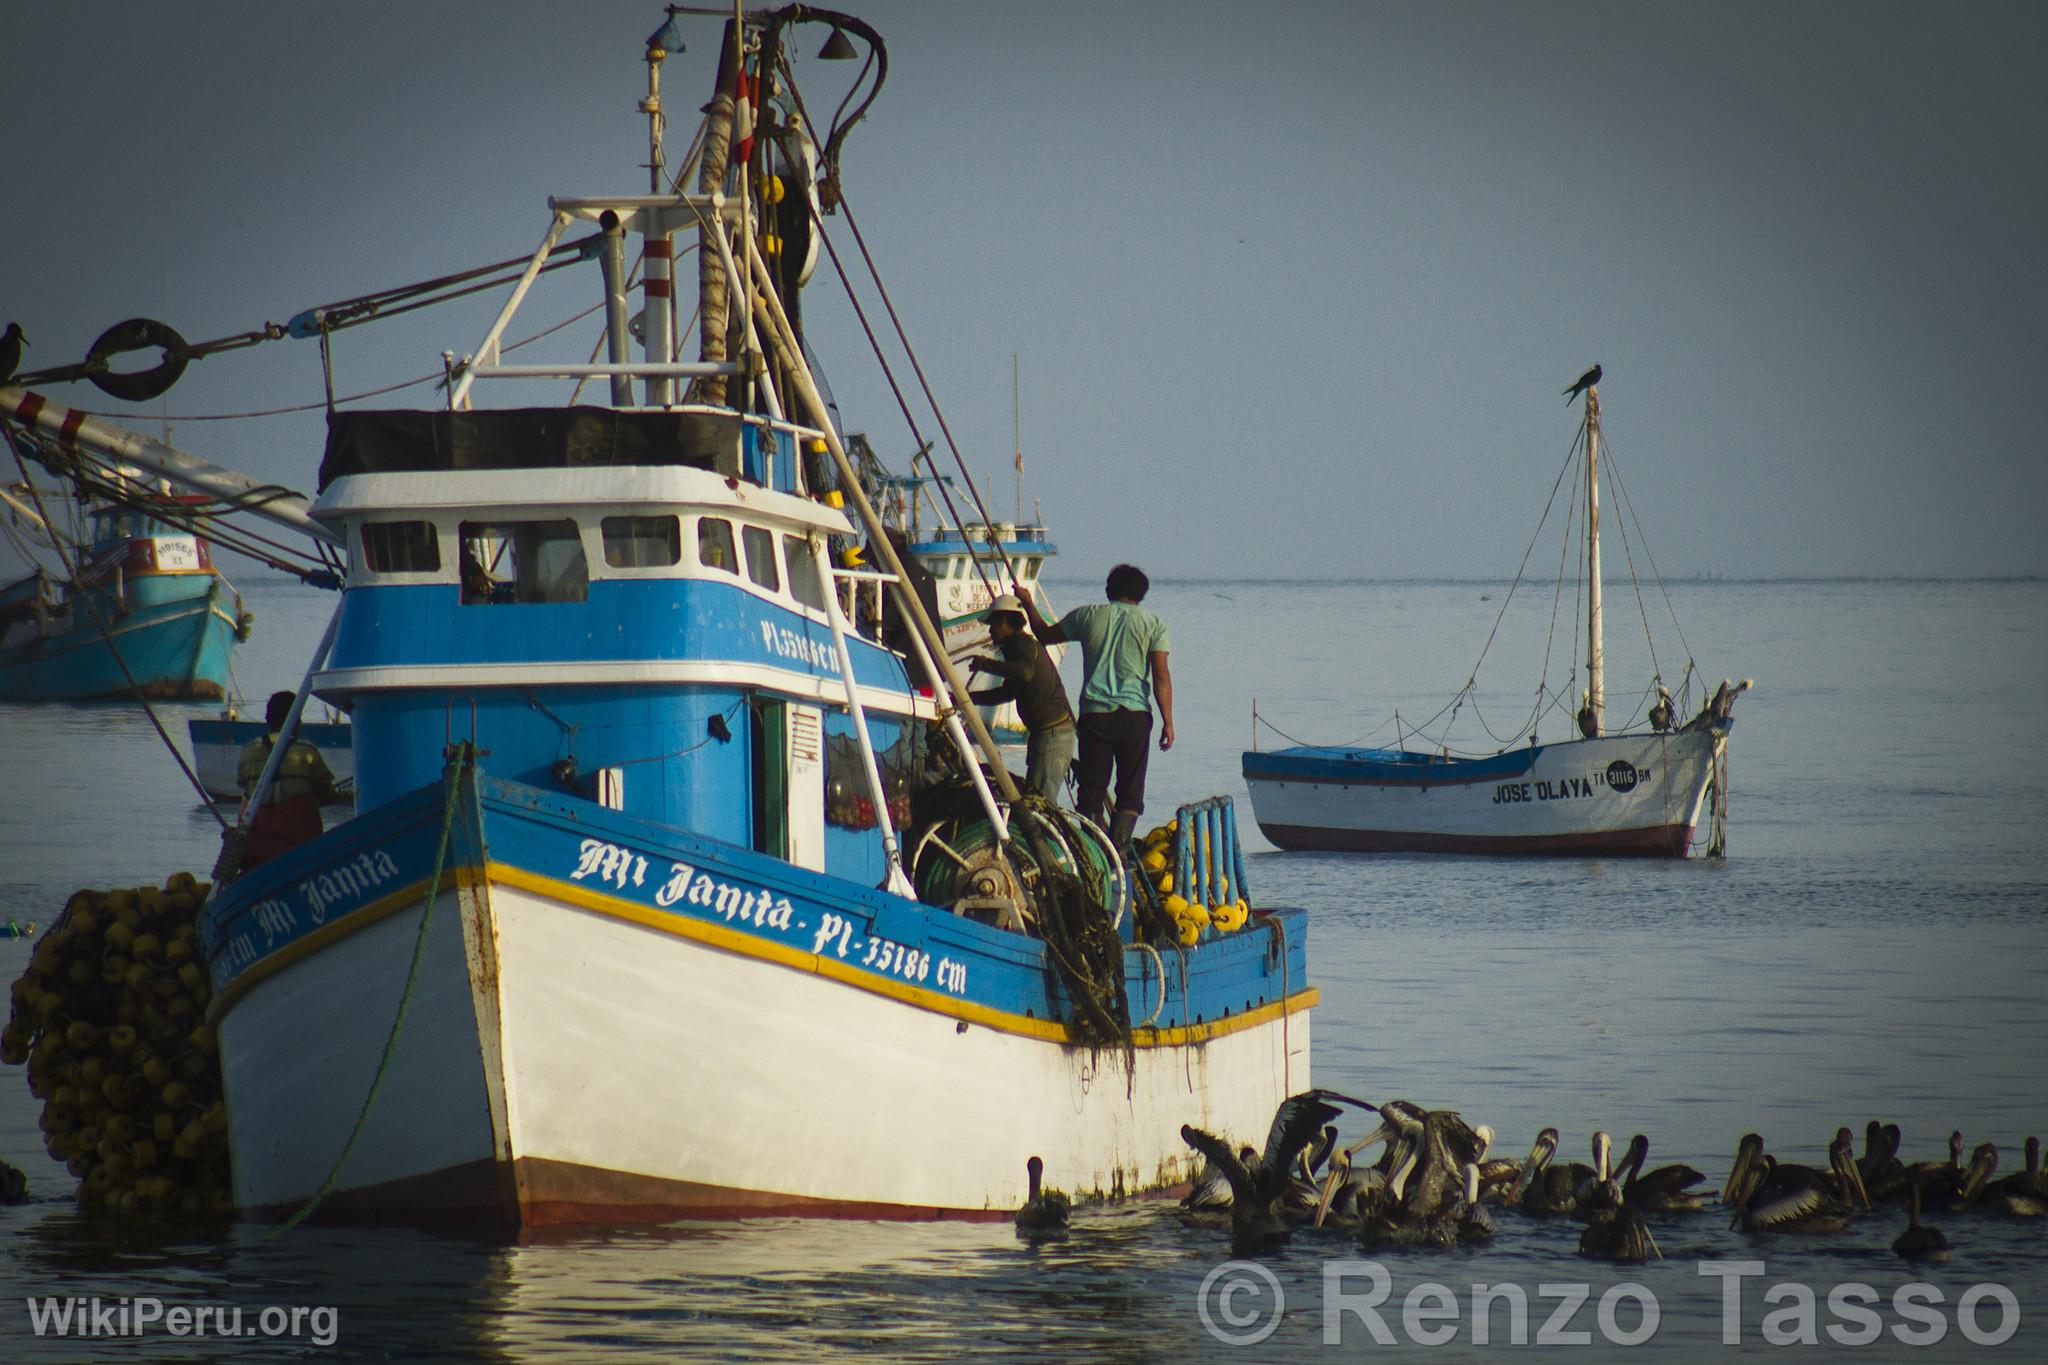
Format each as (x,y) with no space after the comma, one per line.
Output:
(1619,794)
(574,1065)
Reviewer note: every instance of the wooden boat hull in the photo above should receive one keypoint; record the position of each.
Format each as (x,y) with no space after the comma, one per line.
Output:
(1616,796)
(625,1043)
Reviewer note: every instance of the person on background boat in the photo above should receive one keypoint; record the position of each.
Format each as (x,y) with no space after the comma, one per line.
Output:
(290,815)
(1030,680)
(1123,667)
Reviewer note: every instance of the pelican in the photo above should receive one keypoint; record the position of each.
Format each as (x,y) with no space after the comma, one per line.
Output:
(1597,1195)
(1668,1189)
(2023,1194)
(1499,1178)
(1620,1235)
(1545,1190)
(1211,1190)
(1935,1179)
(1395,1223)
(1257,1185)
(1983,1165)
(1920,1242)
(1043,1212)
(14,1185)
(1475,1225)
(1790,1198)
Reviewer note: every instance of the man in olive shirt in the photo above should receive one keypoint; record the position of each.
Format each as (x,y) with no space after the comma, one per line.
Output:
(290,815)
(1033,683)
(1123,663)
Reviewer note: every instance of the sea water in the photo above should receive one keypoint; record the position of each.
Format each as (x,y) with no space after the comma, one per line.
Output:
(1874,945)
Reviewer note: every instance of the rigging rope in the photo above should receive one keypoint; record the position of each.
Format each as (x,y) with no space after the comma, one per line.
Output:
(83,594)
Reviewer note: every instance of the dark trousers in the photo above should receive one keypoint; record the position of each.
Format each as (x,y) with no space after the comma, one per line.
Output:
(1119,739)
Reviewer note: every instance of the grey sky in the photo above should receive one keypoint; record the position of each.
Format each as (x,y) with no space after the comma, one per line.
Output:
(1295,287)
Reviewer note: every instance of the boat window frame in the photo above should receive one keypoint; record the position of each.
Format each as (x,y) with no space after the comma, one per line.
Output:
(499,521)
(771,561)
(656,570)
(362,570)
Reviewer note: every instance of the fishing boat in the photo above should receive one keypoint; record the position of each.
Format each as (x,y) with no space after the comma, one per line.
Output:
(138,606)
(972,562)
(1637,790)
(670,892)
(217,743)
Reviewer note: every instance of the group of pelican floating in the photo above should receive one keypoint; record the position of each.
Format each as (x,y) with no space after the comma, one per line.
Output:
(1433,1181)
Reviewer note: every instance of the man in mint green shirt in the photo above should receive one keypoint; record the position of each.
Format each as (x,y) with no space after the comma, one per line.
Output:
(1123,666)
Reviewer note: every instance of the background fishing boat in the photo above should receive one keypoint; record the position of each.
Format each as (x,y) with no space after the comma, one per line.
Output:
(133,602)
(1633,789)
(217,743)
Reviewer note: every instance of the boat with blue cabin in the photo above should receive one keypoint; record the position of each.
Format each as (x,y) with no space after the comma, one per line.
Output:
(671,892)
(138,607)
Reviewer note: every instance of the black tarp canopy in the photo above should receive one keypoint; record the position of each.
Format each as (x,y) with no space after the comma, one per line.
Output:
(526,438)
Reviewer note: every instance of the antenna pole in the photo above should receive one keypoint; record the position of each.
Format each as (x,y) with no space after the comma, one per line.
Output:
(1596,664)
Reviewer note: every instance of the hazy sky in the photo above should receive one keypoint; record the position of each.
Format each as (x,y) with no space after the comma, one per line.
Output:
(1295,287)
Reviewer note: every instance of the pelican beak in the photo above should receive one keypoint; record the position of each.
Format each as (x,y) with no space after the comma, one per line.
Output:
(1851,1177)
(1379,1134)
(1745,1157)
(1339,1169)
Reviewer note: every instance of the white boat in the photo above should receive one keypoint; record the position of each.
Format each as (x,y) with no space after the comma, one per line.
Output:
(217,745)
(661,899)
(1633,792)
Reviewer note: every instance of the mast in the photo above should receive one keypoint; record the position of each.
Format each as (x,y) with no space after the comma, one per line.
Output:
(1596,691)
(1017,435)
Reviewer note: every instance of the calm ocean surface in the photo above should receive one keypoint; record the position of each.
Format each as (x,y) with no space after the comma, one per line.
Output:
(1874,946)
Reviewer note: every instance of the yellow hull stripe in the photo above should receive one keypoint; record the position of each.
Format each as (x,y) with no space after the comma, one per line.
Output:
(731,940)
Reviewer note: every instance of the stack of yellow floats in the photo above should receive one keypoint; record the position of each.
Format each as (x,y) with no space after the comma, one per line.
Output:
(1162,855)
(111,1019)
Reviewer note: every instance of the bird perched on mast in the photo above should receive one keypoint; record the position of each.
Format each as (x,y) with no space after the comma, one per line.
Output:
(1586,381)
(11,342)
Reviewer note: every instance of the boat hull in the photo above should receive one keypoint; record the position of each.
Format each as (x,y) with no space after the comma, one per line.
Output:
(217,751)
(1616,796)
(176,637)
(577,1050)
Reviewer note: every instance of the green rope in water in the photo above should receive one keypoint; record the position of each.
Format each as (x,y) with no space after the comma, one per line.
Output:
(456,767)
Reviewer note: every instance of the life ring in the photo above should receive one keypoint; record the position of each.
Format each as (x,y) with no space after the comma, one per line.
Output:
(137,334)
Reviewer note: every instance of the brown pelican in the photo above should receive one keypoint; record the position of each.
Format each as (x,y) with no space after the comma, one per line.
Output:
(1475,1225)
(1043,1212)
(1920,1242)
(14,1185)
(1351,1193)
(1668,1189)
(1771,1197)
(1211,1190)
(1597,1195)
(1446,1146)
(2023,1194)
(1392,1222)
(1976,1176)
(1941,1178)
(1621,1234)
(1547,1190)
(1499,1178)
(1256,1186)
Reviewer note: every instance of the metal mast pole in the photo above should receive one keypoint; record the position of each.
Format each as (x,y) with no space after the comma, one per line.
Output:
(1596,691)
(1017,435)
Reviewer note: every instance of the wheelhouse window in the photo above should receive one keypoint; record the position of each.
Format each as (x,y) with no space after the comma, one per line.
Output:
(642,542)
(523,561)
(761,557)
(803,572)
(401,547)
(714,545)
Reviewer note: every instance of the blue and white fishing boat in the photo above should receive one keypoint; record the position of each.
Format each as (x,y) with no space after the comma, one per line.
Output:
(1636,790)
(143,584)
(670,893)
